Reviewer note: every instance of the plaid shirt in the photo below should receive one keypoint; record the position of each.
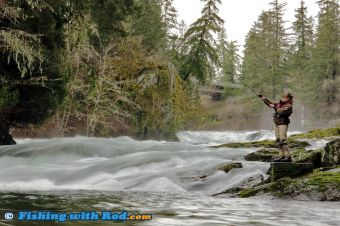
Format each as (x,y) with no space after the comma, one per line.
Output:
(282,111)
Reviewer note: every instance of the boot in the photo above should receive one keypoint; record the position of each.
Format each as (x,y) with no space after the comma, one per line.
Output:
(279,159)
(276,143)
(286,154)
(282,156)
(287,159)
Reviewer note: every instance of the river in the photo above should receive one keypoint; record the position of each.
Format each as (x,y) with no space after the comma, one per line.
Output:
(173,181)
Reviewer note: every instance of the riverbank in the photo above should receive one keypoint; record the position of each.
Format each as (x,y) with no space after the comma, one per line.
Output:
(320,184)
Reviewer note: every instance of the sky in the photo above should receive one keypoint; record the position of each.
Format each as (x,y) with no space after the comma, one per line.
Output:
(240,15)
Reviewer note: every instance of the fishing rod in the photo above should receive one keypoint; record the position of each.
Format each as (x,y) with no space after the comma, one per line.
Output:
(258,95)
(251,89)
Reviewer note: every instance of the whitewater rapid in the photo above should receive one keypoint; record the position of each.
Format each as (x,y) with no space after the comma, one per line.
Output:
(125,164)
(173,181)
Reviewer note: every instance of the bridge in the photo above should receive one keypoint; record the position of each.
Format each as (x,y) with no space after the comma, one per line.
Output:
(216,89)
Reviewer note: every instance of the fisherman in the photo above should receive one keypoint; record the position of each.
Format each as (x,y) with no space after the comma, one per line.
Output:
(283,109)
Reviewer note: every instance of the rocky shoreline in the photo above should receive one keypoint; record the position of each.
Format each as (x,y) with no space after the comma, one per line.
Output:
(320,182)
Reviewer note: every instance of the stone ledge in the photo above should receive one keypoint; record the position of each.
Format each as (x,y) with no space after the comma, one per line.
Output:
(291,169)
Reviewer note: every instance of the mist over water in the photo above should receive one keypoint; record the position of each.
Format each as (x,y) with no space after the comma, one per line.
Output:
(173,180)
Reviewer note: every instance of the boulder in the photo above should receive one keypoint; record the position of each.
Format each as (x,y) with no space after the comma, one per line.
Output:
(307,156)
(6,138)
(263,155)
(298,155)
(331,153)
(317,186)
(291,169)
(229,166)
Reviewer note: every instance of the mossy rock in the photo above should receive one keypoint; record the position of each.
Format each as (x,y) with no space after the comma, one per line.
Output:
(229,166)
(318,133)
(265,143)
(324,179)
(331,153)
(297,144)
(298,155)
(307,156)
(283,169)
(249,192)
(255,144)
(263,155)
(273,187)
(322,186)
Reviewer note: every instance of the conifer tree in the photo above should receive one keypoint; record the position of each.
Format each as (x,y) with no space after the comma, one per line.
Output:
(202,54)
(326,60)
(300,58)
(176,47)
(147,23)
(278,48)
(229,57)
(222,44)
(108,16)
(256,65)
(265,52)
(31,85)
(231,62)
(182,28)
(169,17)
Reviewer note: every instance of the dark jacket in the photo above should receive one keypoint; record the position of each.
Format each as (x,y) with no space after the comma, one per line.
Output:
(282,111)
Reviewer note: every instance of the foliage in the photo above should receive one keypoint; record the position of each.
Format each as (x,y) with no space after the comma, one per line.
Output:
(107,64)
(147,23)
(108,16)
(165,104)
(163,112)
(30,39)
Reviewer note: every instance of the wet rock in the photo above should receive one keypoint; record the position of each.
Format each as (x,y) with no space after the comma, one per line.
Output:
(331,153)
(263,155)
(226,168)
(307,156)
(6,138)
(322,186)
(200,178)
(248,184)
(255,144)
(298,155)
(318,186)
(284,169)
(249,192)
(229,166)
(264,143)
